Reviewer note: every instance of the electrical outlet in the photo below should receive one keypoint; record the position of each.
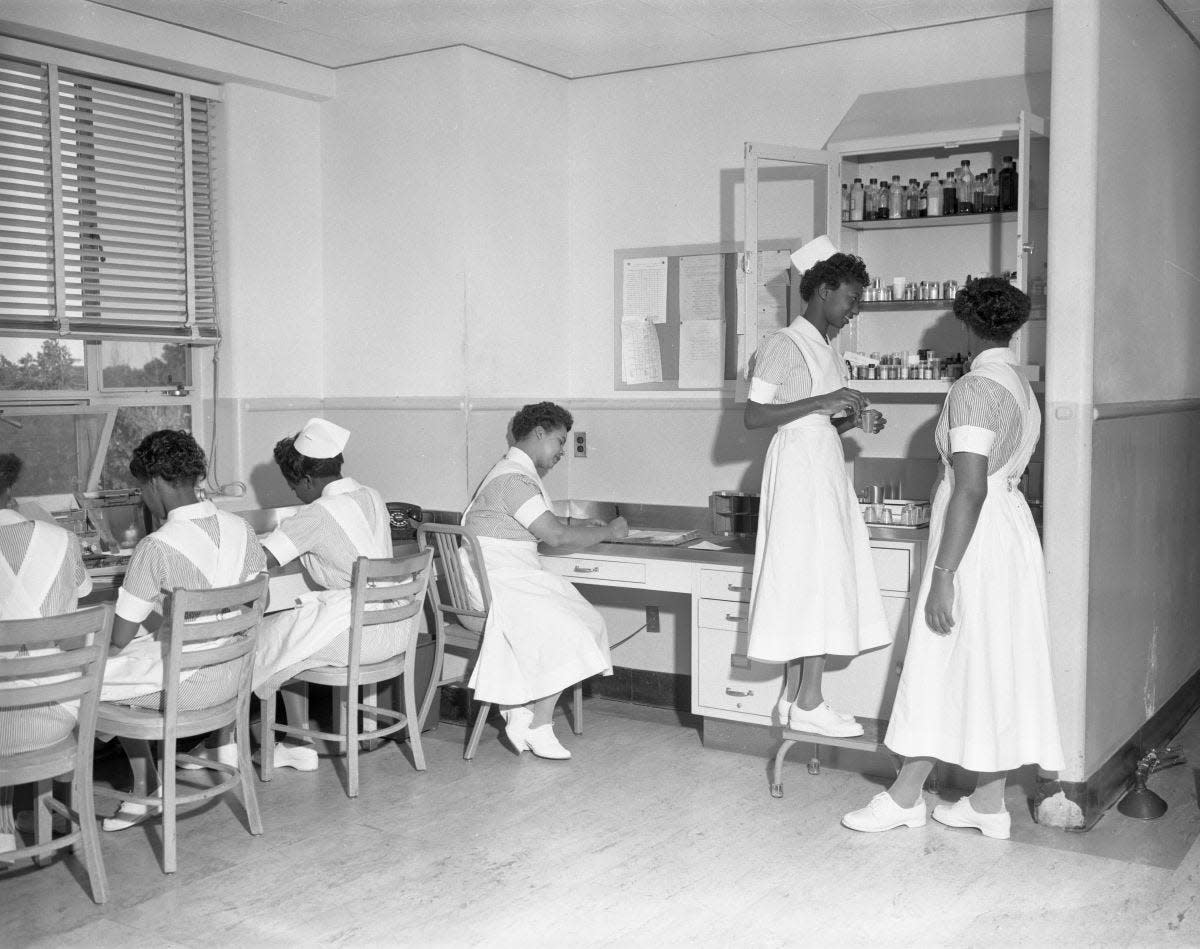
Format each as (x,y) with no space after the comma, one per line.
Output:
(581,444)
(652,623)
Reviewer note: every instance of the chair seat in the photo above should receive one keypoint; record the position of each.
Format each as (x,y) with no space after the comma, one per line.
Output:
(40,763)
(368,673)
(459,637)
(132,722)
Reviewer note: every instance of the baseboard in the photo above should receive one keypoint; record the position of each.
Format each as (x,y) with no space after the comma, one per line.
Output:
(1106,785)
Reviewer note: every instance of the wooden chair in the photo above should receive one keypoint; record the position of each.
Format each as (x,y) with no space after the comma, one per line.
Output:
(458,626)
(201,629)
(82,640)
(398,585)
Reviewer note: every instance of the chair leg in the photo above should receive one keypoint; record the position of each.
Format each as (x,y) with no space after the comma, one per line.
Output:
(43,818)
(577,710)
(266,744)
(85,810)
(477,730)
(350,721)
(339,713)
(411,714)
(246,771)
(167,785)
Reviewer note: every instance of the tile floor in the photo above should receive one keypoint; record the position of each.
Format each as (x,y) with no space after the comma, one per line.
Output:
(645,838)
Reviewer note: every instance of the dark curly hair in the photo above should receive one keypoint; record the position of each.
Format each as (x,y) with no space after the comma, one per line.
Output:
(295,467)
(10,470)
(833,272)
(168,454)
(546,414)
(992,308)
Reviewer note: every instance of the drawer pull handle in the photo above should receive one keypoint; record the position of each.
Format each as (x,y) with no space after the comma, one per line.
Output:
(734,618)
(734,588)
(587,569)
(743,695)
(738,660)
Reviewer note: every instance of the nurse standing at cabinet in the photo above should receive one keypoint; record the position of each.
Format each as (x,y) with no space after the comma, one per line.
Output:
(976,689)
(814,590)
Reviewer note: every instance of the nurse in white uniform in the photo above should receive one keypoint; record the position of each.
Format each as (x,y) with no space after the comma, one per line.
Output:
(341,521)
(976,689)
(541,635)
(814,591)
(197,547)
(41,574)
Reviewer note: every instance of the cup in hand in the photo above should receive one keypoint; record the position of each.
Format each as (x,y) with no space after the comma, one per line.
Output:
(868,420)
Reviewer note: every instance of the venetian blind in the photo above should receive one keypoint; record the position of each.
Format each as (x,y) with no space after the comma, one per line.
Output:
(106,212)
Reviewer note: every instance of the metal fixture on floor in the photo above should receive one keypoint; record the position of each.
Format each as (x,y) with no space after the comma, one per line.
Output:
(1141,802)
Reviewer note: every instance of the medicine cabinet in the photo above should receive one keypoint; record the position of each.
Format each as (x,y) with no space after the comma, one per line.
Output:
(910,133)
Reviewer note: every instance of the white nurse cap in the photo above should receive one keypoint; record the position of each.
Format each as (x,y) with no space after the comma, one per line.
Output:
(321,439)
(818,249)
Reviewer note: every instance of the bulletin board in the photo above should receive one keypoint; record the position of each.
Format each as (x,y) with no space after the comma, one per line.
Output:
(676,321)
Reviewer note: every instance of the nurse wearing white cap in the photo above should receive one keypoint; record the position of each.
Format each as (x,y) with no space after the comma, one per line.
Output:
(341,521)
(814,591)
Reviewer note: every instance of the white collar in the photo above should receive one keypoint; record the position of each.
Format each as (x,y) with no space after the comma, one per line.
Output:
(341,486)
(520,457)
(8,517)
(995,354)
(192,512)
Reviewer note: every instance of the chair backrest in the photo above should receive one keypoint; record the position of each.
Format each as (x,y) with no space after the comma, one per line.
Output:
(452,588)
(63,662)
(207,628)
(386,590)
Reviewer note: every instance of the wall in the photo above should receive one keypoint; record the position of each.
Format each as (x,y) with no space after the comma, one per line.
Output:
(677,180)
(1144,599)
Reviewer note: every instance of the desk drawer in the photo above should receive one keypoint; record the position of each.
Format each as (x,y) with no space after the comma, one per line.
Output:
(892,567)
(725,584)
(615,571)
(728,681)
(724,614)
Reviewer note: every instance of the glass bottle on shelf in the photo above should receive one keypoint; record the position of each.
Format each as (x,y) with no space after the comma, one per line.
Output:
(912,199)
(949,194)
(991,196)
(1007,185)
(845,202)
(933,195)
(965,182)
(978,194)
(856,200)
(896,199)
(871,200)
(884,201)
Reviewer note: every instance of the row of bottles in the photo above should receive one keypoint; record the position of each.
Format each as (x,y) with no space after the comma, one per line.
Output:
(922,364)
(961,192)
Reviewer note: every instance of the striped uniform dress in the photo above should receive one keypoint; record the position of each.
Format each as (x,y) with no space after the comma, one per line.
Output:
(328,551)
(156,568)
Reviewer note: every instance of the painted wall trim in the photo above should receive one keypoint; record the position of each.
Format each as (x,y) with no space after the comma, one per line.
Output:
(1133,409)
(281,405)
(398,403)
(706,404)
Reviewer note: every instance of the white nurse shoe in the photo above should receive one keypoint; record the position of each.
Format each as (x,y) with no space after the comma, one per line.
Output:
(822,720)
(517,720)
(962,814)
(783,707)
(543,743)
(883,813)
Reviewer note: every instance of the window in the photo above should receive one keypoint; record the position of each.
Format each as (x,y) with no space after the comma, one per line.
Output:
(106,216)
(107,264)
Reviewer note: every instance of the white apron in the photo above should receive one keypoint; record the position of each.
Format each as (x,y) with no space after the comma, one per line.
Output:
(138,668)
(814,589)
(983,697)
(288,641)
(23,593)
(541,635)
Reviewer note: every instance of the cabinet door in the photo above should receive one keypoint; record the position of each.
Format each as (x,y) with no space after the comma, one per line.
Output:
(729,685)
(822,168)
(865,685)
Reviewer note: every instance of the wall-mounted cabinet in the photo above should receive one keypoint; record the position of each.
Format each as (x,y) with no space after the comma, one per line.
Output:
(912,133)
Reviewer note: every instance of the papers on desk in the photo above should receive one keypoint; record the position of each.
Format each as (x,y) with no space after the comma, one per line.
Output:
(706,545)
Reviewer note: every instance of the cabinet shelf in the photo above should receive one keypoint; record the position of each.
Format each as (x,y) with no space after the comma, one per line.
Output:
(903,387)
(950,220)
(876,305)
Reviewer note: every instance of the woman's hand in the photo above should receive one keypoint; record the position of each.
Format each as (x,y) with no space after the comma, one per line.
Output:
(841,401)
(939,603)
(619,527)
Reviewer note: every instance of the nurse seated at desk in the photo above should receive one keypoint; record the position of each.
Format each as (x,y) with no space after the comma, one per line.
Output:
(341,521)
(541,635)
(197,547)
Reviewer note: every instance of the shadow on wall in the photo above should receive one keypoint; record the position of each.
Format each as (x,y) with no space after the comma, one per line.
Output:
(735,445)
(269,487)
